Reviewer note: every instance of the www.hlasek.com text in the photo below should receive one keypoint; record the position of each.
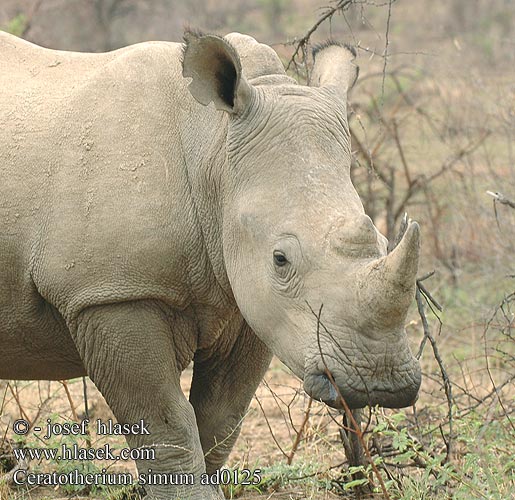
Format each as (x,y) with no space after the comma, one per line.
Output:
(76,452)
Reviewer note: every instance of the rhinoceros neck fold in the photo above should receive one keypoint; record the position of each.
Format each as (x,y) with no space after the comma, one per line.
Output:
(204,153)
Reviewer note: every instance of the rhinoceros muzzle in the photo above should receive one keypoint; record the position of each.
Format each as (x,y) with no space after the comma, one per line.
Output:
(321,388)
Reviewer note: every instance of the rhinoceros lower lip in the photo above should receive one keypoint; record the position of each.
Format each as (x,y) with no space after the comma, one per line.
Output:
(320,387)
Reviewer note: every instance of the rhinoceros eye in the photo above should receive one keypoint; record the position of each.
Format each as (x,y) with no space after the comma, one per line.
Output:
(280,259)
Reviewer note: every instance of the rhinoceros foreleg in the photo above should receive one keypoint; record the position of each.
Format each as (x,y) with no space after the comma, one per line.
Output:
(224,382)
(128,351)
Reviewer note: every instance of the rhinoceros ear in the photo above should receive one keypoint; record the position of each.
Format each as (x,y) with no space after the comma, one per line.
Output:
(334,65)
(215,69)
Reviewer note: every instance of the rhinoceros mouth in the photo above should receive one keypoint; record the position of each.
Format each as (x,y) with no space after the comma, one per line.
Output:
(321,388)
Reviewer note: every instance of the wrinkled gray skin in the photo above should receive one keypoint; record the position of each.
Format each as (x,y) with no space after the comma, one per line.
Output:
(141,229)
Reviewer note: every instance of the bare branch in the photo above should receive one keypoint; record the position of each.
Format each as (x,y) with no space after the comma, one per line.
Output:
(443,371)
(500,198)
(302,43)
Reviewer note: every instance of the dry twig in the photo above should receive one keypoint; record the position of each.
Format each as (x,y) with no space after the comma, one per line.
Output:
(419,295)
(301,44)
(500,198)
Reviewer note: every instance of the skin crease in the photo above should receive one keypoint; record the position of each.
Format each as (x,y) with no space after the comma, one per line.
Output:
(138,229)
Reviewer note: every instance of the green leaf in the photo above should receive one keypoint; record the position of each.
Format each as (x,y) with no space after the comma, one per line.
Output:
(356,482)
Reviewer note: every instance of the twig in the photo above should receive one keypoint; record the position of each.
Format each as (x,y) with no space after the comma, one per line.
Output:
(1,413)
(16,397)
(280,402)
(270,428)
(236,428)
(500,198)
(386,46)
(428,296)
(506,300)
(70,401)
(443,371)
(401,152)
(300,432)
(301,43)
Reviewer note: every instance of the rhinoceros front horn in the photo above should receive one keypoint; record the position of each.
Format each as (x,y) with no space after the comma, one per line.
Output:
(401,265)
(389,282)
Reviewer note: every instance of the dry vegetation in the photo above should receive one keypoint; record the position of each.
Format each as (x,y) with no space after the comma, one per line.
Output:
(433,129)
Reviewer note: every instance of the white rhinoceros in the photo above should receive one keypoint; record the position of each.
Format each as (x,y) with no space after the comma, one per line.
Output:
(142,228)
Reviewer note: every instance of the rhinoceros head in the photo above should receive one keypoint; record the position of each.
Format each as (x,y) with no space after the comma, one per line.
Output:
(308,269)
